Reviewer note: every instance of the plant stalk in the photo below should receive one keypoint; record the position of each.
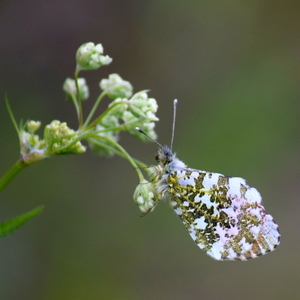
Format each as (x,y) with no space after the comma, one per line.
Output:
(11,173)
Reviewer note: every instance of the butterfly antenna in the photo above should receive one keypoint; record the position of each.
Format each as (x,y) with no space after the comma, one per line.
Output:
(151,139)
(174,120)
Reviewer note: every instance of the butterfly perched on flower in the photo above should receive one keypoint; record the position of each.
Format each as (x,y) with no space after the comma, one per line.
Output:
(223,215)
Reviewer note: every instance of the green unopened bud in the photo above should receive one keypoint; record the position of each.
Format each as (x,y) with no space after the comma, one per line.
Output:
(69,88)
(90,57)
(60,139)
(78,148)
(145,197)
(33,126)
(116,87)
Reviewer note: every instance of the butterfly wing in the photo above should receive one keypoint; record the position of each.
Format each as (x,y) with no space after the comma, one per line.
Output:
(223,215)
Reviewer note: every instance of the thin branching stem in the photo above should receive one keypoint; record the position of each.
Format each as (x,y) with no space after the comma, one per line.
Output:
(98,119)
(125,153)
(93,110)
(79,102)
(76,106)
(114,150)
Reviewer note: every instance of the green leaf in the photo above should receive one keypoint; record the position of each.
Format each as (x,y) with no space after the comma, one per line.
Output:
(9,226)
(11,115)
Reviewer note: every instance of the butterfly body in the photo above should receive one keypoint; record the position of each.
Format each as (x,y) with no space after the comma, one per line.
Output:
(223,215)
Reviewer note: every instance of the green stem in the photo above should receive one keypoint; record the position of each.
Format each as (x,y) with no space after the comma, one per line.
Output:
(94,109)
(117,152)
(11,173)
(124,127)
(76,106)
(97,120)
(80,118)
(125,153)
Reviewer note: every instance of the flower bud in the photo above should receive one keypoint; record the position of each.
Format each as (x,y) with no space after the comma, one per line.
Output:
(60,139)
(90,57)
(33,126)
(145,196)
(69,88)
(116,87)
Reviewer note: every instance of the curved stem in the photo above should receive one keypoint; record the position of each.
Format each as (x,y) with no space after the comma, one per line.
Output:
(11,173)
(125,153)
(124,127)
(97,120)
(93,109)
(117,152)
(80,117)
(76,106)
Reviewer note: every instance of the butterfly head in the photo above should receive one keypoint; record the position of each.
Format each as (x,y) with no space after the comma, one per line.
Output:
(164,155)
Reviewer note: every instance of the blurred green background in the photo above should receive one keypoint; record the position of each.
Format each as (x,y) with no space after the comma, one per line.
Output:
(234,66)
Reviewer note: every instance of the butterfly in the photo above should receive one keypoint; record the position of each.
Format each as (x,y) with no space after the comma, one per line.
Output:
(223,215)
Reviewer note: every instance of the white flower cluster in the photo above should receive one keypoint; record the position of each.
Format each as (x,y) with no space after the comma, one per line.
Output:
(139,111)
(90,57)
(145,197)
(115,87)
(124,114)
(70,89)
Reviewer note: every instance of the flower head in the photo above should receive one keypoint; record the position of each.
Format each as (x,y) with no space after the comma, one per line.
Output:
(60,139)
(90,57)
(142,106)
(131,122)
(145,196)
(70,89)
(116,87)
(33,126)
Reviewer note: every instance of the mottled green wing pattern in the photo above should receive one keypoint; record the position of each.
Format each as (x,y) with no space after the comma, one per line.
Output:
(223,215)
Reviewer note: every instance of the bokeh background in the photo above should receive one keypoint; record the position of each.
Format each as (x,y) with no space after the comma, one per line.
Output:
(234,66)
